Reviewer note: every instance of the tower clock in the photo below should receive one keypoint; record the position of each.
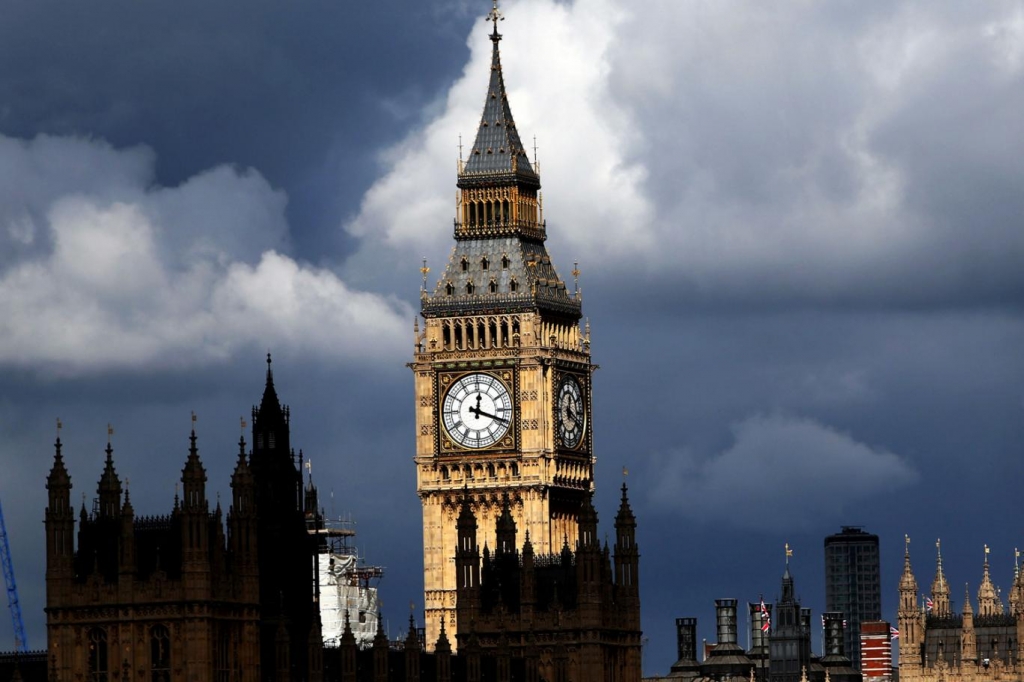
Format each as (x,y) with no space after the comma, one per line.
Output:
(502,368)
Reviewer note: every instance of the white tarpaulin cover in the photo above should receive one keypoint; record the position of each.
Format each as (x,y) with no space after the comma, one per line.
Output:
(341,592)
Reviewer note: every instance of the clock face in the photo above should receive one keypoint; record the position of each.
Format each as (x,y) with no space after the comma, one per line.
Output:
(570,412)
(477,411)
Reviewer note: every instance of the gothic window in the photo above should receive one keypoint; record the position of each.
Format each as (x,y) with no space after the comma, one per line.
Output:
(464,263)
(222,656)
(490,470)
(504,262)
(484,263)
(160,654)
(98,669)
(515,469)
(449,289)
(444,473)
(513,286)
(270,440)
(469,287)
(493,287)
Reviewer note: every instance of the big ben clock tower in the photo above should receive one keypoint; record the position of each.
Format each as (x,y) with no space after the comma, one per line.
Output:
(502,369)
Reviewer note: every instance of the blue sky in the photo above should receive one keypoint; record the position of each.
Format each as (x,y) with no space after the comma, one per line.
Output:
(799,231)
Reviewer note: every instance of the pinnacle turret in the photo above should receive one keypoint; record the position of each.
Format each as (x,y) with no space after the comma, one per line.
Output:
(940,588)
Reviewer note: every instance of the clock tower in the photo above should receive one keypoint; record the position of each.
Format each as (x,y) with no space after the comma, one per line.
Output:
(502,369)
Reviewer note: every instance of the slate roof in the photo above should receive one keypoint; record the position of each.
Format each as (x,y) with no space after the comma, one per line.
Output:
(497,149)
(537,287)
(497,160)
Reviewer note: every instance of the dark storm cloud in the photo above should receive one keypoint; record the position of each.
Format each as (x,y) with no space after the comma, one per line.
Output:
(799,230)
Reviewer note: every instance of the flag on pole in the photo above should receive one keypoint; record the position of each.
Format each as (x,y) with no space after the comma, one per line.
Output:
(893,632)
(766,618)
(928,604)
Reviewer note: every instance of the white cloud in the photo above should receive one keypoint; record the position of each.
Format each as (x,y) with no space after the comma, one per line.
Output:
(805,152)
(779,472)
(105,270)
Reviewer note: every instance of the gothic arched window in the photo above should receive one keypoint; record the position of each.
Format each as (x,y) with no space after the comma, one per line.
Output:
(160,654)
(98,668)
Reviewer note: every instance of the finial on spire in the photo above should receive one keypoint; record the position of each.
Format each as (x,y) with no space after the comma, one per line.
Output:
(789,554)
(906,545)
(576,276)
(110,432)
(424,269)
(495,16)
(59,427)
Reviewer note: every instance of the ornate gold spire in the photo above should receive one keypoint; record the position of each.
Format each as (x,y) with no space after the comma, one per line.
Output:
(940,588)
(907,580)
(989,603)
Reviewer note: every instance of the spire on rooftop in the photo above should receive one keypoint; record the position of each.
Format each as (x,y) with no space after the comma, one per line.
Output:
(498,148)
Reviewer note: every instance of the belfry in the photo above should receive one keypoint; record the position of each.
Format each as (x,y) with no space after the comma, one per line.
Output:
(502,368)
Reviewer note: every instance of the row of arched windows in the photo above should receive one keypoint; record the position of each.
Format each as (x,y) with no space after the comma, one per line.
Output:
(492,287)
(159,655)
(501,331)
(473,471)
(485,263)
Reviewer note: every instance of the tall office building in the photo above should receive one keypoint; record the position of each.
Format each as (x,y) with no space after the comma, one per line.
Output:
(853,582)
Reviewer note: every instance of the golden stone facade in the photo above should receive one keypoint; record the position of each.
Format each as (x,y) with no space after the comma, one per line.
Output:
(938,645)
(501,368)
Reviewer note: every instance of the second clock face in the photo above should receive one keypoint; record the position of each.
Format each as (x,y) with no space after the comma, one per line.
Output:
(570,412)
(477,411)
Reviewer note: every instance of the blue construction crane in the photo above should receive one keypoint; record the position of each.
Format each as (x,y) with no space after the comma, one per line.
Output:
(20,642)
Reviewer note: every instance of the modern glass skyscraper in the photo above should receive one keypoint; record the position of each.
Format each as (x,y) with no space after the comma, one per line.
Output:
(853,582)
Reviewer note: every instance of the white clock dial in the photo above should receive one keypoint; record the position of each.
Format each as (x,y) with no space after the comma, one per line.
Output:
(570,412)
(477,411)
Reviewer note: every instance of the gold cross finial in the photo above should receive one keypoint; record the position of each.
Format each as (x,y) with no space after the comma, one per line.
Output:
(789,553)
(241,422)
(424,269)
(906,543)
(986,553)
(625,472)
(495,16)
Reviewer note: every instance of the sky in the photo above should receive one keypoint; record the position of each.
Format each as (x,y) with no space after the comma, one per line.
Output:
(800,231)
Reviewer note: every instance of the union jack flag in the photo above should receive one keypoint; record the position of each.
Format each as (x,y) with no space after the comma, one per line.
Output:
(893,632)
(928,604)
(766,618)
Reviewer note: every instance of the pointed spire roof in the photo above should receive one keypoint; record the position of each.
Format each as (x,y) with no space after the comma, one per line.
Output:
(270,402)
(58,476)
(443,646)
(907,580)
(989,603)
(109,482)
(497,149)
(625,516)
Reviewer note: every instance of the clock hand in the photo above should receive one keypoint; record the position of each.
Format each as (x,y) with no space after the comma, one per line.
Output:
(480,413)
